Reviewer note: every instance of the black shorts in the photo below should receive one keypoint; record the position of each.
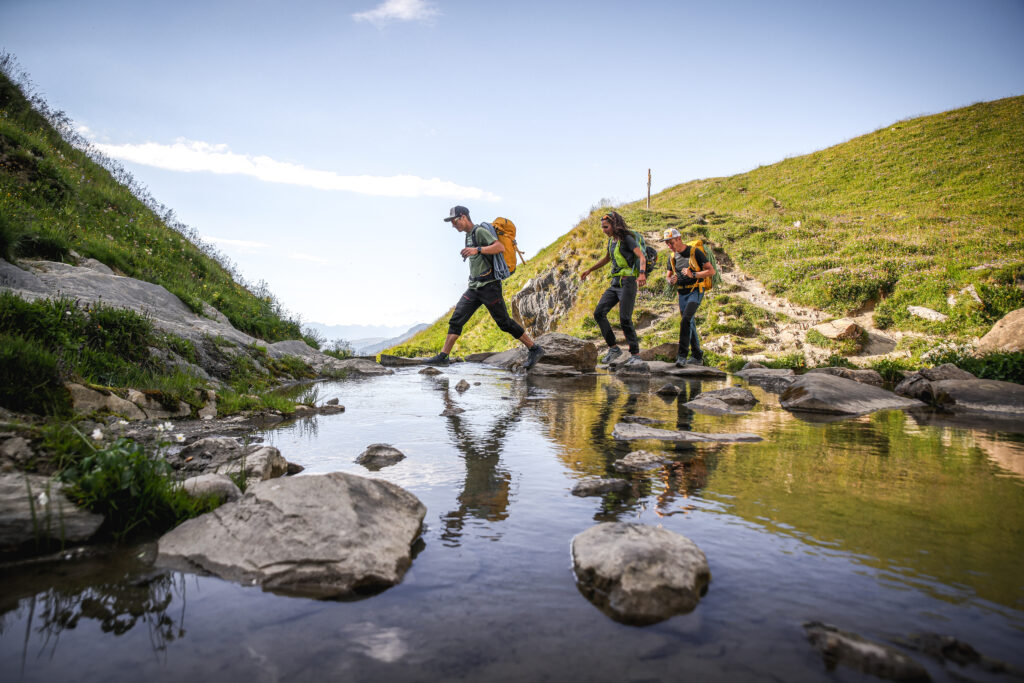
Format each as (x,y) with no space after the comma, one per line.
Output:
(489,295)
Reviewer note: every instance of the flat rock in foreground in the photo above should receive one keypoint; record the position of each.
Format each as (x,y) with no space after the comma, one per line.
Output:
(34,509)
(625,431)
(639,574)
(819,393)
(323,536)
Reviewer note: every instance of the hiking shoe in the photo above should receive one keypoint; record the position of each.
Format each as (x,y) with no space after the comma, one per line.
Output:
(534,354)
(695,361)
(633,360)
(680,361)
(612,354)
(440,359)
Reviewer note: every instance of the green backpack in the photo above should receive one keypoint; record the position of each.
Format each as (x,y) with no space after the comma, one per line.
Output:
(620,266)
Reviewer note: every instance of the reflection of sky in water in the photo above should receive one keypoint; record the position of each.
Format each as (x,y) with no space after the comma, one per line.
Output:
(879,524)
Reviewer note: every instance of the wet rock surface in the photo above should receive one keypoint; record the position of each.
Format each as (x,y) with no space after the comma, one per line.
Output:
(559,349)
(323,536)
(625,431)
(599,487)
(709,405)
(640,461)
(820,393)
(380,455)
(734,396)
(638,574)
(871,377)
(851,650)
(979,396)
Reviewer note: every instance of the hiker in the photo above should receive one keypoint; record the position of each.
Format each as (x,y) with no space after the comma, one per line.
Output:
(681,264)
(628,265)
(484,288)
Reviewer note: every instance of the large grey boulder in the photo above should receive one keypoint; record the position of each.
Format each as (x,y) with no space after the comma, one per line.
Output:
(857,652)
(34,509)
(323,536)
(559,349)
(1006,335)
(638,574)
(85,401)
(625,431)
(818,393)
(770,379)
(919,384)
(1004,399)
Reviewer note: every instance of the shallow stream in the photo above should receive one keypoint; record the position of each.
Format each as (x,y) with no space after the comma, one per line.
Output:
(885,525)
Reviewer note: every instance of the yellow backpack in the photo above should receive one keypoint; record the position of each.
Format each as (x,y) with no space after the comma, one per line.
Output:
(506,230)
(704,283)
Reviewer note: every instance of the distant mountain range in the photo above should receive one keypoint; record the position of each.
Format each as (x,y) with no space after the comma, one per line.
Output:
(365,339)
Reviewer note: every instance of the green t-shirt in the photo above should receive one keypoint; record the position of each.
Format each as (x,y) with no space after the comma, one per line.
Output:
(480,264)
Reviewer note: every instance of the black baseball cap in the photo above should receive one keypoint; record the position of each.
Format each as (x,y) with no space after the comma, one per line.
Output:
(455,212)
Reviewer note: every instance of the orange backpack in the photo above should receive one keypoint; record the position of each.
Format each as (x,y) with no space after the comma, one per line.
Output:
(506,230)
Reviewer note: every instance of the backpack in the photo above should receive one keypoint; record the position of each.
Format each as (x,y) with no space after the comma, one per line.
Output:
(498,265)
(705,283)
(506,232)
(650,254)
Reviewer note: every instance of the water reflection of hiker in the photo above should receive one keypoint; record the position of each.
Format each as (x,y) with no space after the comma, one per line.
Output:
(484,288)
(628,265)
(687,267)
(485,492)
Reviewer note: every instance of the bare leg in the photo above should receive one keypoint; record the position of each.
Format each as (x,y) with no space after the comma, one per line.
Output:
(449,343)
(526,339)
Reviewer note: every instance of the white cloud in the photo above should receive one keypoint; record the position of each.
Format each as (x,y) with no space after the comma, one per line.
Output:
(236,243)
(398,10)
(192,155)
(298,256)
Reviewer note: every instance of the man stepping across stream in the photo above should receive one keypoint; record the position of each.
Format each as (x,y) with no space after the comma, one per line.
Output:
(484,288)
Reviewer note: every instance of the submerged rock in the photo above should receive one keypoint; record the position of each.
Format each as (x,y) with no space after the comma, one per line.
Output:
(669,390)
(640,461)
(431,371)
(857,652)
(380,455)
(818,393)
(634,432)
(462,386)
(638,574)
(597,487)
(323,536)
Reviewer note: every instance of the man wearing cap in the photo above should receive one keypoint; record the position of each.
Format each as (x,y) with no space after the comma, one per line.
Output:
(484,288)
(687,282)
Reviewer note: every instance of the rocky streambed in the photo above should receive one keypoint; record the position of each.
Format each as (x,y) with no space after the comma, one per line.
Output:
(526,506)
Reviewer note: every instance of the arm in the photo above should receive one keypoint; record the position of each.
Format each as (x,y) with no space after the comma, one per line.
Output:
(641,279)
(706,270)
(600,264)
(490,250)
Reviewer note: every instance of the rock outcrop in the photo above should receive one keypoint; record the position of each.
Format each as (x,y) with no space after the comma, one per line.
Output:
(638,574)
(544,299)
(324,536)
(1007,335)
(861,654)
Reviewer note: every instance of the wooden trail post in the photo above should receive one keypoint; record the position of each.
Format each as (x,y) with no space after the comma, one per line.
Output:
(648,189)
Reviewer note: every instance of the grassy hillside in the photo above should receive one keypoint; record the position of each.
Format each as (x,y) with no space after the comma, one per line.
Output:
(56,198)
(894,218)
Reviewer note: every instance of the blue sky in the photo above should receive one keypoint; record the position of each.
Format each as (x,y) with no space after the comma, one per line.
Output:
(318,144)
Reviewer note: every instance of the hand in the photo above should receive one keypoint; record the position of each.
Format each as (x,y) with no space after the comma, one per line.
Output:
(672,278)
(641,279)
(467,252)
(584,274)
(687,272)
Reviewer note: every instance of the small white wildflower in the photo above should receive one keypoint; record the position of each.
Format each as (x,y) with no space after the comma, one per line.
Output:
(97,435)
(179,437)
(43,499)
(121,423)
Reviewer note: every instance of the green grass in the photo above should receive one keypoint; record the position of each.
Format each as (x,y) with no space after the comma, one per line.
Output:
(54,198)
(894,218)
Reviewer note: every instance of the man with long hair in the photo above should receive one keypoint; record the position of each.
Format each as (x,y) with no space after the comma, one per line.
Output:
(628,265)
